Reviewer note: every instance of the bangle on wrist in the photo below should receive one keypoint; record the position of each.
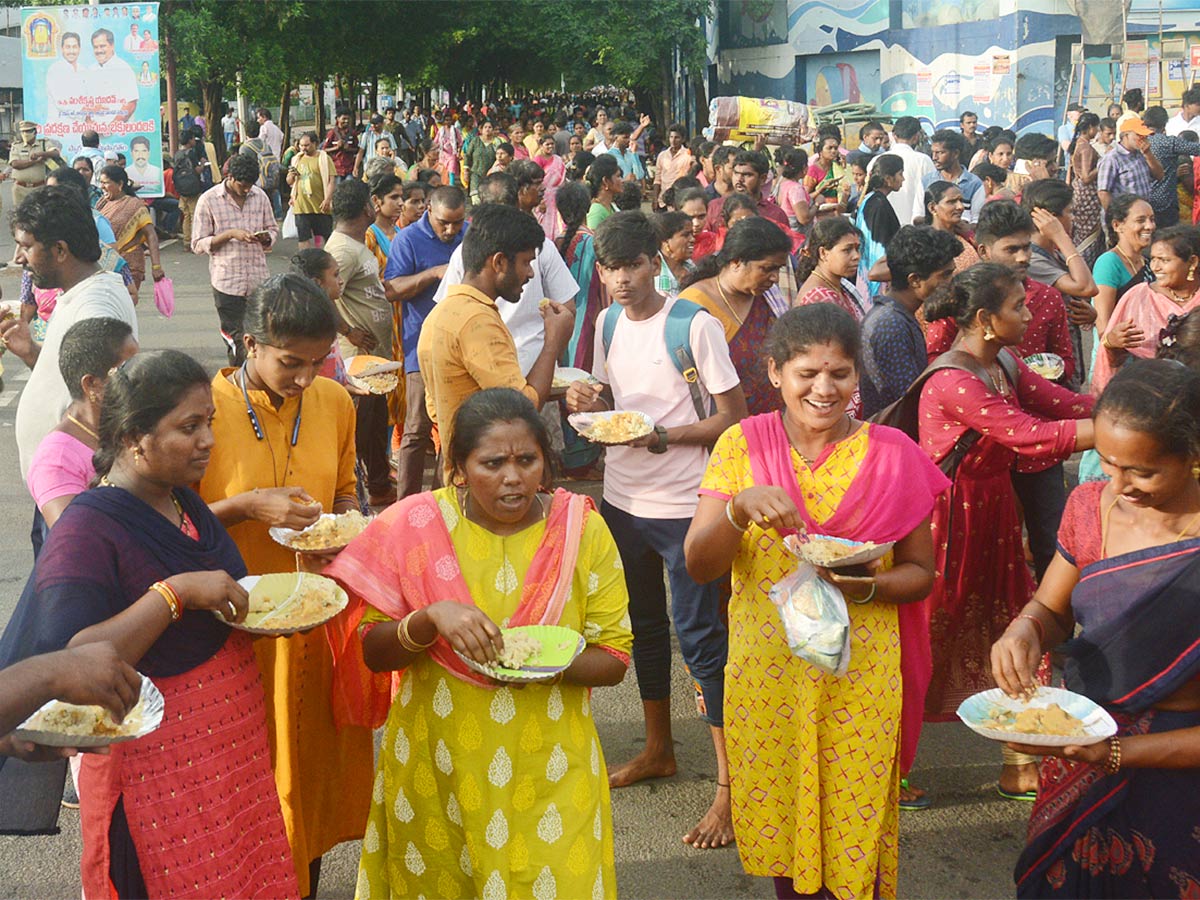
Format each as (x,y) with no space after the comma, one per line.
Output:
(1112,765)
(406,639)
(732,518)
(1073,256)
(1041,629)
(868,598)
(174,604)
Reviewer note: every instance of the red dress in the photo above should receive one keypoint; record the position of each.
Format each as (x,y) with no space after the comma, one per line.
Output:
(982,580)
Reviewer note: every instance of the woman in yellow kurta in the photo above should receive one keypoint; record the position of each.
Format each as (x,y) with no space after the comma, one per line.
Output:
(305,452)
(484,790)
(815,758)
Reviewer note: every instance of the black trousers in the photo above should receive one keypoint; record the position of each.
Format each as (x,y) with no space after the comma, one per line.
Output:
(231,311)
(371,442)
(1043,496)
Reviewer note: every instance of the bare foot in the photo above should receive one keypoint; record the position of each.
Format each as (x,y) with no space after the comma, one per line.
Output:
(909,794)
(645,765)
(716,828)
(1019,779)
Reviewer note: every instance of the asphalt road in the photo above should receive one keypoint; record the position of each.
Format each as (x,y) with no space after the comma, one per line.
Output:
(964,847)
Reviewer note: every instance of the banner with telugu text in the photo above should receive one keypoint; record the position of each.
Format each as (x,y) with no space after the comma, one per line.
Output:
(96,68)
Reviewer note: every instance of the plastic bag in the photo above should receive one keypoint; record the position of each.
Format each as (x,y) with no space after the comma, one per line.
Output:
(164,297)
(815,619)
(287,231)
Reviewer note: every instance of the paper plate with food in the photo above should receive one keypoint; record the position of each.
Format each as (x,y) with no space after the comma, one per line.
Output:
(613,428)
(834,552)
(1049,365)
(59,724)
(329,532)
(532,653)
(565,376)
(1053,717)
(287,602)
(374,373)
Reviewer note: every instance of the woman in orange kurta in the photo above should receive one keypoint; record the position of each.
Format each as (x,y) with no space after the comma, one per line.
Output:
(305,452)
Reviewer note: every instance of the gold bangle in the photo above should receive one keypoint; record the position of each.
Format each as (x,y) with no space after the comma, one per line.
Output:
(174,604)
(406,639)
(1073,256)
(1113,764)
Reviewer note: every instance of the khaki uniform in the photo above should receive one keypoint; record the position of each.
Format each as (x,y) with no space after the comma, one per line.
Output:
(25,180)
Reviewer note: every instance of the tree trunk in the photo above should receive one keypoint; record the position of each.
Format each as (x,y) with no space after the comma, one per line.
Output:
(210,97)
(319,99)
(374,94)
(168,55)
(701,99)
(285,113)
(667,96)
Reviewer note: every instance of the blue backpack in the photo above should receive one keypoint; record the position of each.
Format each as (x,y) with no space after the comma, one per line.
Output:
(677,333)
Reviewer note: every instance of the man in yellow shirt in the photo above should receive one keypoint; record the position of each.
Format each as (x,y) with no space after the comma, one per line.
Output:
(464,345)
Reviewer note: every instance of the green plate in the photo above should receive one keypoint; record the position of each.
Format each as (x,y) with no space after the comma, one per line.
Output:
(559,647)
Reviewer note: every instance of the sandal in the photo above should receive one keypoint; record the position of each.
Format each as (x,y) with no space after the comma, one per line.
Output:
(1022,796)
(916,803)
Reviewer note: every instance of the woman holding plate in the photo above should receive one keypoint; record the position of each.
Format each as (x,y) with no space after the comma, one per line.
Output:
(1116,818)
(815,759)
(483,790)
(141,562)
(284,453)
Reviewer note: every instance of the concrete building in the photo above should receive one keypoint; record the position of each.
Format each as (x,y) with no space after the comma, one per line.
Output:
(1007,60)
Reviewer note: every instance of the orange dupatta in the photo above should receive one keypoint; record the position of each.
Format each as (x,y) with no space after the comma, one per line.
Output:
(404,561)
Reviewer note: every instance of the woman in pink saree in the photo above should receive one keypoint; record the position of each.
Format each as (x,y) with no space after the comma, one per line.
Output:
(1145,309)
(556,174)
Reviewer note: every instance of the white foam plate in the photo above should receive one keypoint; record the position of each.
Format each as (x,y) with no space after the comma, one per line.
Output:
(258,586)
(796,544)
(285,536)
(151,717)
(1098,725)
(1049,365)
(582,422)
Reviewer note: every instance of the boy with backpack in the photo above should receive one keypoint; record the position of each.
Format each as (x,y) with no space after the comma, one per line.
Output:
(668,359)
(270,169)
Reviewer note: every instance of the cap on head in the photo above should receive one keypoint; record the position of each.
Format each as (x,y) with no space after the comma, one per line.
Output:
(1136,125)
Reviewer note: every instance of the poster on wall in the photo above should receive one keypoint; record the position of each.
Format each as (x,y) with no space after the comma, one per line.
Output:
(924,89)
(1001,64)
(95,68)
(981,84)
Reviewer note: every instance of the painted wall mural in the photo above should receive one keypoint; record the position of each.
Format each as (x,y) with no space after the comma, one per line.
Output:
(1003,59)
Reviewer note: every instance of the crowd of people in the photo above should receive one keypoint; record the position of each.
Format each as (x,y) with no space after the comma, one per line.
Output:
(901,342)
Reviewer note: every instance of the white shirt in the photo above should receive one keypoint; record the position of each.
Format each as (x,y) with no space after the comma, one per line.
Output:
(45,397)
(65,82)
(151,176)
(1178,124)
(271,133)
(551,278)
(644,378)
(229,124)
(909,201)
(115,78)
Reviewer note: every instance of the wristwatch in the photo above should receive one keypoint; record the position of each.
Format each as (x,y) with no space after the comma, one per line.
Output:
(661,446)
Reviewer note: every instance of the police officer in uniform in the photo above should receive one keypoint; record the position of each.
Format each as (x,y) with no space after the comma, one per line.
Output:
(28,160)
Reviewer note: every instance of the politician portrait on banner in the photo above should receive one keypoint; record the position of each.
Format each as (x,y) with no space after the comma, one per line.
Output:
(86,73)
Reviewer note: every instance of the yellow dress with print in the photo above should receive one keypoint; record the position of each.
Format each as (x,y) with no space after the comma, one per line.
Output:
(813,757)
(499,793)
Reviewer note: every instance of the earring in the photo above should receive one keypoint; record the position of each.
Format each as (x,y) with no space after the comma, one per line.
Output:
(988,334)
(1192,273)
(91,397)
(137,454)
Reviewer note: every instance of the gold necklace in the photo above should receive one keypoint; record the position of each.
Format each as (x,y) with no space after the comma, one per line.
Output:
(1174,296)
(728,305)
(106,482)
(811,463)
(835,285)
(1129,261)
(999,382)
(82,427)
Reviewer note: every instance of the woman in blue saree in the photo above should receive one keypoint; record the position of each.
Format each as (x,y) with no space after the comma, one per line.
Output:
(1118,818)
(876,219)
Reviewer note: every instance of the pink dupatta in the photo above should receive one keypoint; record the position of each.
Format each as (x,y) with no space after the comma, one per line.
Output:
(893,491)
(404,561)
(1150,310)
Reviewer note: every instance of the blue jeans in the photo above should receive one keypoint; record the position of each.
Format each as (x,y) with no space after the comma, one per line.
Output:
(646,545)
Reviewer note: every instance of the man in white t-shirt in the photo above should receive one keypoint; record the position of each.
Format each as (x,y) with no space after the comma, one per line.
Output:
(909,201)
(651,488)
(551,278)
(57,241)
(1188,117)
(66,80)
(112,77)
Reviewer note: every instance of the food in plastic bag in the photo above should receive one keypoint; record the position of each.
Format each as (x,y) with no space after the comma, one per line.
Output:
(815,619)
(744,118)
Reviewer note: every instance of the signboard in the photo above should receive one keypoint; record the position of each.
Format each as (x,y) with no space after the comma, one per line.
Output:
(95,68)
(982,83)
(1195,48)
(924,89)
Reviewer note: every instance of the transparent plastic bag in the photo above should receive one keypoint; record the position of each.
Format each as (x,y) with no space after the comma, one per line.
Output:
(815,619)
